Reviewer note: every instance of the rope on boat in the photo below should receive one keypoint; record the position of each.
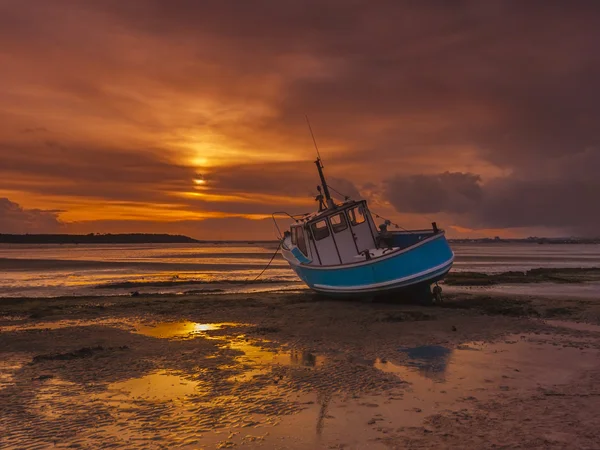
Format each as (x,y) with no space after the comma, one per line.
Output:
(267,266)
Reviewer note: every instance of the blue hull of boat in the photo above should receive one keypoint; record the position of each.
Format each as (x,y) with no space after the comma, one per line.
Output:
(417,266)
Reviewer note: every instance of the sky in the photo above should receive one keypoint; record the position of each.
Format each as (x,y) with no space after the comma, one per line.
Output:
(188,116)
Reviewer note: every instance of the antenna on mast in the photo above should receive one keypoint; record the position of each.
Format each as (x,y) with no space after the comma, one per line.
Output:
(319,164)
(313,137)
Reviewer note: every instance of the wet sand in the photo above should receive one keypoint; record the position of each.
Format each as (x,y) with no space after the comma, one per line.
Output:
(294,370)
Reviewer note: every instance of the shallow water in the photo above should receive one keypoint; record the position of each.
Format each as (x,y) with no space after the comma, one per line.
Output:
(159,385)
(438,380)
(183,329)
(57,270)
(252,392)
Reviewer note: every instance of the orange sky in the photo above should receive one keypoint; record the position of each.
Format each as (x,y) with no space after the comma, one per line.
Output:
(481,116)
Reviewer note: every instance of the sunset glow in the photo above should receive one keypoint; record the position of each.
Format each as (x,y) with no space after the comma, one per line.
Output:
(189,117)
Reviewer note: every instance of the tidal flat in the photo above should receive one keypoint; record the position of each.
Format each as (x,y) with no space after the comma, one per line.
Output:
(295,370)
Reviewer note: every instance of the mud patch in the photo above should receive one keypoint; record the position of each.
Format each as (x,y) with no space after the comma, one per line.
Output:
(539,275)
(406,316)
(494,306)
(578,326)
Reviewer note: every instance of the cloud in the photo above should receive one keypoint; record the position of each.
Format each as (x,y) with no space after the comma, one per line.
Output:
(468,109)
(563,204)
(444,192)
(560,193)
(17,220)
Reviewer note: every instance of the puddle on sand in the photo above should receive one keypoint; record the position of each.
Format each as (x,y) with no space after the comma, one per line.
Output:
(253,353)
(182,330)
(439,380)
(478,370)
(164,330)
(240,404)
(157,386)
(256,360)
(429,361)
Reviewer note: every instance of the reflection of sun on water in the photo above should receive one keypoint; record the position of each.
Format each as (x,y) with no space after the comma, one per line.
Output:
(181,330)
(207,326)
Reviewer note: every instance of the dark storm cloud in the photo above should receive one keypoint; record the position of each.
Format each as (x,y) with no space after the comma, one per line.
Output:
(87,163)
(518,82)
(18,220)
(92,171)
(396,90)
(342,189)
(564,204)
(444,192)
(561,193)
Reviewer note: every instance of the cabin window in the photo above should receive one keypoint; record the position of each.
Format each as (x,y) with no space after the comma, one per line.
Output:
(320,230)
(301,241)
(357,215)
(338,222)
(298,239)
(294,234)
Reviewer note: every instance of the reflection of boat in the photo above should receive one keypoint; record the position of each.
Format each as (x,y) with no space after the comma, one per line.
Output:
(303,358)
(339,250)
(431,361)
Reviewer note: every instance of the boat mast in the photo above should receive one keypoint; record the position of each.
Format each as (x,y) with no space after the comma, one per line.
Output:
(319,164)
(328,198)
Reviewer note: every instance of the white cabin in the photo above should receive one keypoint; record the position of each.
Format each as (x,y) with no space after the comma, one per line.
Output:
(339,235)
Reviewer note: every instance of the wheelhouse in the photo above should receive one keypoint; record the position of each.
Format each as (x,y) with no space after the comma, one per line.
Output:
(338,235)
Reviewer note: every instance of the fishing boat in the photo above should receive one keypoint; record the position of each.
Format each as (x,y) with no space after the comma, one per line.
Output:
(339,251)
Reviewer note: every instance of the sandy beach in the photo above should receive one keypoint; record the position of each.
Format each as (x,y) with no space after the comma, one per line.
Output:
(295,370)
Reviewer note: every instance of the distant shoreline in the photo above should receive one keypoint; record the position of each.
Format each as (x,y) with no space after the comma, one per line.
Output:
(531,240)
(125,238)
(129,238)
(148,238)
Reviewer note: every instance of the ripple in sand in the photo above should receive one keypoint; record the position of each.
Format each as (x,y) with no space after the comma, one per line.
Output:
(64,323)
(10,363)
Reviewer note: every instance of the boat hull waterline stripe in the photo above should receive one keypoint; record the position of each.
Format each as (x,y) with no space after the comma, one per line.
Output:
(386,283)
(392,288)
